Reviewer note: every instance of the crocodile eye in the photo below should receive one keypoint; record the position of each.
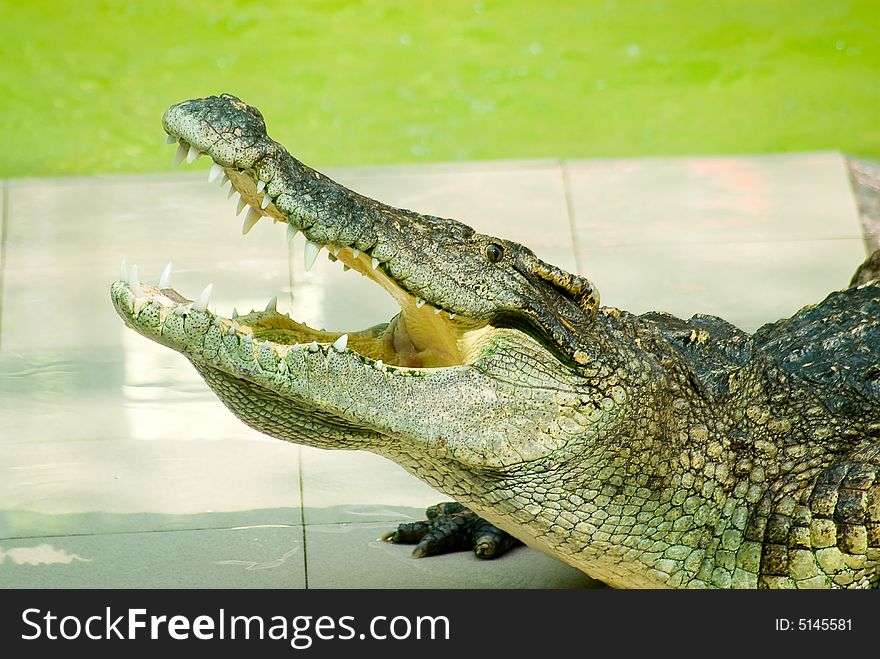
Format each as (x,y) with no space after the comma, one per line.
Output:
(494,252)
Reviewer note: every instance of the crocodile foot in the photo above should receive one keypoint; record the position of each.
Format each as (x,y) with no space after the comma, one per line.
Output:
(452,527)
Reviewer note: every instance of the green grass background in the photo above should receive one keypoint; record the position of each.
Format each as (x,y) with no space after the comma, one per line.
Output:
(83,84)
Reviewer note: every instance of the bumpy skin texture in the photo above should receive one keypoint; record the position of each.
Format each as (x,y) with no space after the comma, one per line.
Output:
(648,451)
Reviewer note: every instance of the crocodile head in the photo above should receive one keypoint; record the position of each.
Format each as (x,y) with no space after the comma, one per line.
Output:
(453,379)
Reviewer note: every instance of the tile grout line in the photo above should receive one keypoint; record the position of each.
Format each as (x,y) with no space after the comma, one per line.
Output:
(302,516)
(98,534)
(569,207)
(4,223)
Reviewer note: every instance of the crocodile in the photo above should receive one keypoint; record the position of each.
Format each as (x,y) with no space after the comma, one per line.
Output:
(646,450)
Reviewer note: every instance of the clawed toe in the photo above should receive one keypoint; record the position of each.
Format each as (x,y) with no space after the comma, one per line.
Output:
(452,527)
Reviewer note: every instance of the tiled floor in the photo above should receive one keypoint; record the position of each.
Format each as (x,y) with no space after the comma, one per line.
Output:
(119,468)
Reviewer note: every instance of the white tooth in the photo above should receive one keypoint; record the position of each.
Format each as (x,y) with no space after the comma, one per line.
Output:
(437,312)
(378,365)
(134,283)
(313,346)
(170,139)
(266,200)
(201,303)
(230,331)
(192,154)
(341,343)
(311,254)
(296,347)
(355,252)
(291,232)
(253,216)
(225,178)
(248,338)
(273,304)
(260,185)
(419,303)
(179,310)
(374,262)
(232,190)
(234,313)
(217,321)
(215,172)
(165,277)
(180,154)
(241,204)
(123,271)
(451,315)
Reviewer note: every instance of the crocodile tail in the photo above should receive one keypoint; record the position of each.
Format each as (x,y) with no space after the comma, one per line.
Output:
(581,289)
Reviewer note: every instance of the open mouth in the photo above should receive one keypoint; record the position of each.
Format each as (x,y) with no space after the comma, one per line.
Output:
(421,336)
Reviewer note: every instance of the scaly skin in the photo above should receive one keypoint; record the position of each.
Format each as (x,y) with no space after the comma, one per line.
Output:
(646,451)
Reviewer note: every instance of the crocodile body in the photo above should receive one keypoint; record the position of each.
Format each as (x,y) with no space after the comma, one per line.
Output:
(647,451)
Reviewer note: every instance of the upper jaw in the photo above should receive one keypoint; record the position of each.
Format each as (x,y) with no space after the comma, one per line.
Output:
(272,182)
(362,233)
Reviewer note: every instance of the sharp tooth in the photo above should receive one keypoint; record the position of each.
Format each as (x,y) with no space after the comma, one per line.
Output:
(215,172)
(248,338)
(451,315)
(241,204)
(374,262)
(341,343)
(192,154)
(355,252)
(165,277)
(378,365)
(234,313)
(313,346)
(225,178)
(253,216)
(230,331)
(216,321)
(291,232)
(180,154)
(134,283)
(266,201)
(123,271)
(170,139)
(345,268)
(232,191)
(419,303)
(260,185)
(201,303)
(437,312)
(179,310)
(273,304)
(311,254)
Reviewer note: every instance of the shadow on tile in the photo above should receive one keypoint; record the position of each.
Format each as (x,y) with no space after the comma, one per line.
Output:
(352,556)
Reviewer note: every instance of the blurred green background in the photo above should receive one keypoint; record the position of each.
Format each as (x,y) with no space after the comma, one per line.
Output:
(344,82)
